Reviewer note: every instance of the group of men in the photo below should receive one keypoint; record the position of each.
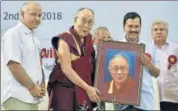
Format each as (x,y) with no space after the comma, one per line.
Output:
(70,85)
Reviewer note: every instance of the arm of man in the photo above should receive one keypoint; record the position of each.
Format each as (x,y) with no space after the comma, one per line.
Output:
(64,56)
(12,47)
(154,70)
(147,62)
(20,74)
(43,83)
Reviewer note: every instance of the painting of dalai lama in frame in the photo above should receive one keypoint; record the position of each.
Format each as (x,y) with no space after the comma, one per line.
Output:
(119,72)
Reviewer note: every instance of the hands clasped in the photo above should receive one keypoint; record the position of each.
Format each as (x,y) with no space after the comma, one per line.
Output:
(38,91)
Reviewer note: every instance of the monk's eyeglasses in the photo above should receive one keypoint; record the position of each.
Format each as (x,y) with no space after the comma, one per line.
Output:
(84,21)
(117,68)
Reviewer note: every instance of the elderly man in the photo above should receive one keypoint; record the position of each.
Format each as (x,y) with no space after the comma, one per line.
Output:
(21,56)
(132,28)
(121,79)
(69,84)
(166,57)
(100,34)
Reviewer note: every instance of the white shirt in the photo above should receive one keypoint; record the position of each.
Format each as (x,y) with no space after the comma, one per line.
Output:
(168,78)
(21,45)
(6,83)
(147,94)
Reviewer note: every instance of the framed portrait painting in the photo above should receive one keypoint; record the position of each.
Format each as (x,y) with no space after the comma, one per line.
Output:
(119,72)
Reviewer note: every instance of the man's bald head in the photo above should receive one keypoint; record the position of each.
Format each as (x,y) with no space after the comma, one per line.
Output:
(119,60)
(119,69)
(30,14)
(81,10)
(84,21)
(30,5)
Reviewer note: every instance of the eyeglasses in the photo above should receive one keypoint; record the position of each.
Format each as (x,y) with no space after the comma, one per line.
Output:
(115,69)
(84,21)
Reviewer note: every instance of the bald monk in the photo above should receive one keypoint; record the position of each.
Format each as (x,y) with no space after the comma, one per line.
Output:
(24,80)
(122,82)
(69,84)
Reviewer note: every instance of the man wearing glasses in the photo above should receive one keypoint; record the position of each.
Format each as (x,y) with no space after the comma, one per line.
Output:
(70,86)
(121,82)
(24,75)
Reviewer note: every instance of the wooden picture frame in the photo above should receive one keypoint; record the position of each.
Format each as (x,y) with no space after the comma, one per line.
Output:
(119,71)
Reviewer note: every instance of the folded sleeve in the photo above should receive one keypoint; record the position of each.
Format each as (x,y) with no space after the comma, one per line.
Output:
(12,47)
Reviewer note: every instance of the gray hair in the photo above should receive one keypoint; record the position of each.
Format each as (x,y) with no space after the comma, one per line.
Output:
(96,31)
(160,22)
(84,8)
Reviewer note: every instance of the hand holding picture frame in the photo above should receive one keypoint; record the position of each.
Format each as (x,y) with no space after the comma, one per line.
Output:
(119,72)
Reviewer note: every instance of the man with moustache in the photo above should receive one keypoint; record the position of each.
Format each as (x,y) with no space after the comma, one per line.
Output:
(21,57)
(166,56)
(121,83)
(132,28)
(69,84)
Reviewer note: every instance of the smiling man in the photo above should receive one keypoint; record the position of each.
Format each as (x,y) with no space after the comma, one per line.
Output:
(21,56)
(70,85)
(132,28)
(121,82)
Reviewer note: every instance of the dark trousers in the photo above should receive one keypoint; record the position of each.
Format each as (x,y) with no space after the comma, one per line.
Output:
(168,106)
(131,108)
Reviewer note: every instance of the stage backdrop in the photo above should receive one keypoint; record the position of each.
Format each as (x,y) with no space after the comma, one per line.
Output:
(58,16)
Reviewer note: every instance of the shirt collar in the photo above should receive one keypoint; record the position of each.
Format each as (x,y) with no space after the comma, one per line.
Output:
(24,28)
(166,44)
(124,40)
(74,33)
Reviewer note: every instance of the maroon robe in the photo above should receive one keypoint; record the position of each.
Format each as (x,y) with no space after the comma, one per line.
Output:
(64,95)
